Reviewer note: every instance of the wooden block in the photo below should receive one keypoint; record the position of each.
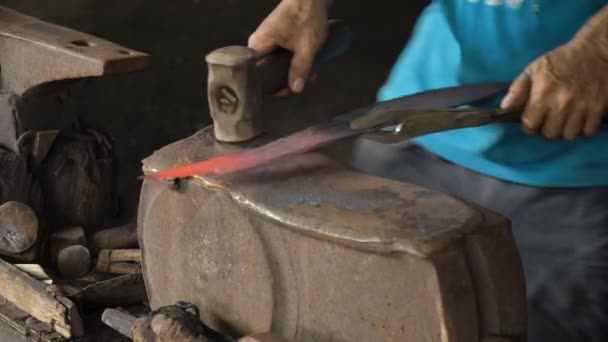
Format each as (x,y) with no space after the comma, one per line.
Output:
(133,255)
(74,261)
(24,324)
(35,271)
(119,261)
(124,236)
(69,252)
(31,296)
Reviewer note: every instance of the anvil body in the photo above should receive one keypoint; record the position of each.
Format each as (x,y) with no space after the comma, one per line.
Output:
(315,251)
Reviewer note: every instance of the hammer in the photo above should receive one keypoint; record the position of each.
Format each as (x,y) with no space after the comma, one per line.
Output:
(238,79)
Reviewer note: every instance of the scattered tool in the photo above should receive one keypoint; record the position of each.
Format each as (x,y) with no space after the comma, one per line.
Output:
(238,80)
(120,320)
(119,261)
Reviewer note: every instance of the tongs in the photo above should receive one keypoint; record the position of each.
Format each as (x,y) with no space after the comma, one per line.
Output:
(388,122)
(392,126)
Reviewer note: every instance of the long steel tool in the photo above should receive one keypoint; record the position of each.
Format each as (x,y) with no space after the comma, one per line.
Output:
(388,121)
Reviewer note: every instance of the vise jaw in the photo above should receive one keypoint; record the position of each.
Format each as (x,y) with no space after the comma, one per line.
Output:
(313,251)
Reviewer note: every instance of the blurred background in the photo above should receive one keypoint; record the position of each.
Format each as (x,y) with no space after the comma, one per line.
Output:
(150,109)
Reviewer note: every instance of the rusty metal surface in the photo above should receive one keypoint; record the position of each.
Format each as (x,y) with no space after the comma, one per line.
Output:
(33,52)
(317,252)
(332,202)
(502,303)
(211,258)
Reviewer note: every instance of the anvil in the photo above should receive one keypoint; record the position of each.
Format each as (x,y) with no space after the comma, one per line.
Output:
(315,251)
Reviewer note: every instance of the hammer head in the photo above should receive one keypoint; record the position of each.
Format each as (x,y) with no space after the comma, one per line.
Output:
(239,78)
(234,92)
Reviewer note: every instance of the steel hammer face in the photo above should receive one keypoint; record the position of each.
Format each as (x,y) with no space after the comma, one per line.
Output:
(234,93)
(238,79)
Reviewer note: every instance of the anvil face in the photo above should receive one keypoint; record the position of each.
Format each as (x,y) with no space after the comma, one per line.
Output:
(318,252)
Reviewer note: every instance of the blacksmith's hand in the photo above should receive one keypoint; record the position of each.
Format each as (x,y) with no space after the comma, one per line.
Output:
(564,93)
(299,26)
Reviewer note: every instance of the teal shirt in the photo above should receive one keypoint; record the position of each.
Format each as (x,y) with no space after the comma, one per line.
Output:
(458,42)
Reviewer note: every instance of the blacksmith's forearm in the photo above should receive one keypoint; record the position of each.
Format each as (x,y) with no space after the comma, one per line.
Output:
(326,3)
(595,31)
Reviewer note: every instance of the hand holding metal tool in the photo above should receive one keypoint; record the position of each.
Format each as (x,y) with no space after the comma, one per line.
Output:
(391,126)
(365,121)
(239,79)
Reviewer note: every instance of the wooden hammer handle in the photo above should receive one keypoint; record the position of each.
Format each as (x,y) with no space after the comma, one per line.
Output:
(114,261)
(274,67)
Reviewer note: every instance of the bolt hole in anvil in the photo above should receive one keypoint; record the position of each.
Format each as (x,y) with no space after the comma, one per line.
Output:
(83,43)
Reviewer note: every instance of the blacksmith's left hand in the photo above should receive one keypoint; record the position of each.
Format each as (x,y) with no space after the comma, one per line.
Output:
(564,93)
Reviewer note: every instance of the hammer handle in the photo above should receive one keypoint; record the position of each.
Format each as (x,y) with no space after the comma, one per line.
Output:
(274,67)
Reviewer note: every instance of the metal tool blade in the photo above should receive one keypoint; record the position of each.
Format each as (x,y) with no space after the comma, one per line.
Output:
(326,133)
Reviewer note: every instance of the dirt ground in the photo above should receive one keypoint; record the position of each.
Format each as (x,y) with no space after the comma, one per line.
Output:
(147,110)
